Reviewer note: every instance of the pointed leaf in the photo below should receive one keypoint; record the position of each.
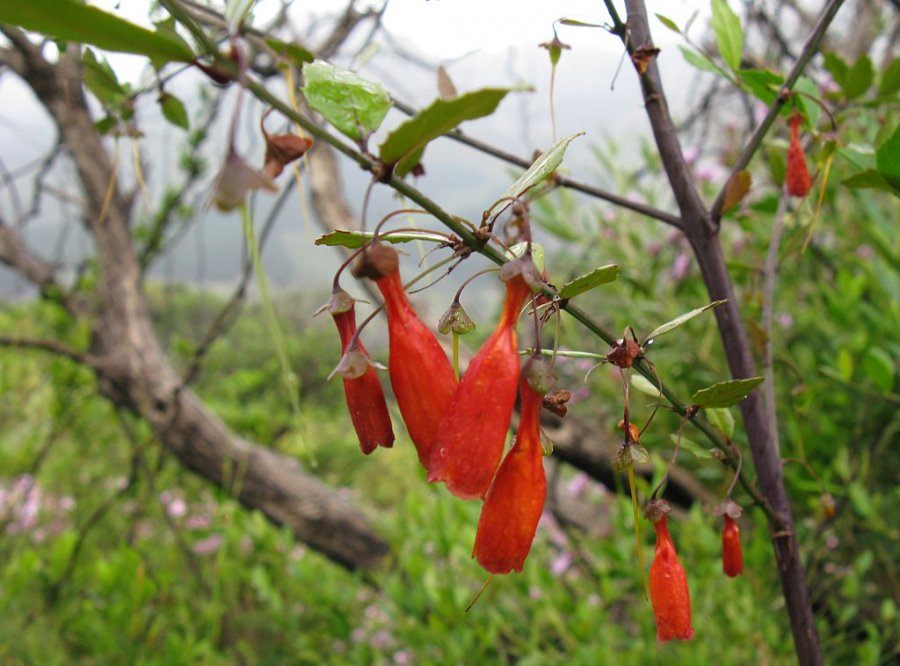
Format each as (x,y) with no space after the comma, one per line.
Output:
(721,418)
(580,24)
(442,116)
(75,21)
(763,84)
(669,23)
(701,61)
(446,89)
(546,163)
(678,321)
(174,111)
(726,394)
(729,34)
(890,79)
(353,105)
(356,239)
(736,190)
(644,385)
(289,51)
(887,158)
(879,367)
(692,447)
(595,278)
(101,80)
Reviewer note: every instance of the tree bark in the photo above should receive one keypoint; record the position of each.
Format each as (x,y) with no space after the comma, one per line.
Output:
(131,368)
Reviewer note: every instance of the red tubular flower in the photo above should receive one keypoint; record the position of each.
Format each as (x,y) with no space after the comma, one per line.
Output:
(797,176)
(669,594)
(421,375)
(515,501)
(732,553)
(365,398)
(472,433)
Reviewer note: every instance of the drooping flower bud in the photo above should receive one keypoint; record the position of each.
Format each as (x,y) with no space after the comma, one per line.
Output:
(421,374)
(513,507)
(455,320)
(235,180)
(669,594)
(732,553)
(362,388)
(796,175)
(471,435)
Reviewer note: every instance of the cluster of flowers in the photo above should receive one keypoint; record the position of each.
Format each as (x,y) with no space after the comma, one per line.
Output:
(458,427)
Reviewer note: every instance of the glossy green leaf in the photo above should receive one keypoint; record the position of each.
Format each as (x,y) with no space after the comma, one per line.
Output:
(701,61)
(546,163)
(680,320)
(726,394)
(890,79)
(356,239)
(644,385)
(173,110)
(729,34)
(436,120)
(74,21)
(722,419)
(669,23)
(101,80)
(354,105)
(692,447)
(295,53)
(887,159)
(761,83)
(879,368)
(586,282)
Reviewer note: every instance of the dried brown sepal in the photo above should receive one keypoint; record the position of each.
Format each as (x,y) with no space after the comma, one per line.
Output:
(828,505)
(525,267)
(643,56)
(556,402)
(353,365)
(539,374)
(375,262)
(655,510)
(339,302)
(633,431)
(235,180)
(624,353)
(281,150)
(728,508)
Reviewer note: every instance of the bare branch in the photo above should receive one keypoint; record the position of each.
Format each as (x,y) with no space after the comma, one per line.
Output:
(51,346)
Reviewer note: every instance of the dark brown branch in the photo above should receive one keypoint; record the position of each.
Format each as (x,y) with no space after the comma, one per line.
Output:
(51,346)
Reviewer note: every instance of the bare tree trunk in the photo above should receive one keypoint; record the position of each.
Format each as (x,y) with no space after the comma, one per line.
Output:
(131,367)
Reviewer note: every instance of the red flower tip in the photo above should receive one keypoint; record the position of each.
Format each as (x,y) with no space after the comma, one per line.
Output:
(365,397)
(513,507)
(797,177)
(471,435)
(421,375)
(669,594)
(732,553)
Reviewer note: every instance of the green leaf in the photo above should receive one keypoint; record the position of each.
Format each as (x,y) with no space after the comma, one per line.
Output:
(644,385)
(692,447)
(580,24)
(586,282)
(887,158)
(701,61)
(807,100)
(890,79)
(836,67)
(105,124)
(729,34)
(101,80)
(868,179)
(174,111)
(436,120)
(678,321)
(726,394)
(859,78)
(295,53)
(546,163)
(537,253)
(762,83)
(353,105)
(669,23)
(879,368)
(74,21)
(356,239)
(722,419)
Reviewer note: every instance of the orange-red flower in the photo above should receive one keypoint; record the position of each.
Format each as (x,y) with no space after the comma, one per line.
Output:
(669,594)
(420,372)
(365,398)
(513,507)
(797,176)
(732,553)
(472,433)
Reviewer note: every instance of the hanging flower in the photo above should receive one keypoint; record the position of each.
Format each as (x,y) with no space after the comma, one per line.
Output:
(669,594)
(797,176)
(732,553)
(362,388)
(472,432)
(513,507)
(421,374)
